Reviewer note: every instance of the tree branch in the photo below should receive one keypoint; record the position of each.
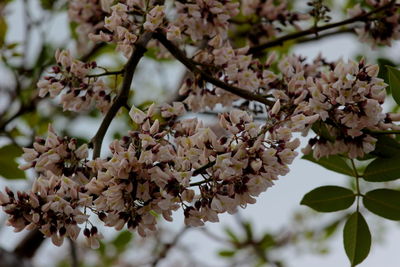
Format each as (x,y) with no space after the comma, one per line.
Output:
(167,247)
(313,30)
(74,254)
(122,97)
(28,246)
(192,66)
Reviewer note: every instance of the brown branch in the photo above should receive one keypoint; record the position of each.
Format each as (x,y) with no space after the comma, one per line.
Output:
(192,66)
(28,246)
(122,98)
(314,30)
(167,247)
(325,35)
(74,253)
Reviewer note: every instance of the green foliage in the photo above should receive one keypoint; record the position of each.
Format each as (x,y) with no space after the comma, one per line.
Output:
(383,71)
(394,83)
(320,129)
(110,251)
(122,240)
(226,253)
(381,170)
(47,4)
(383,202)
(232,236)
(386,147)
(8,165)
(356,238)
(333,163)
(329,198)
(3,30)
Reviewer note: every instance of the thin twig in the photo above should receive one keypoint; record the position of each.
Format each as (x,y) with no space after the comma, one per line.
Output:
(192,66)
(106,73)
(122,98)
(382,132)
(313,30)
(167,247)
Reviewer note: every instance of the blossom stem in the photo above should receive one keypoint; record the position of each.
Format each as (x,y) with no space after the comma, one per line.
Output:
(106,73)
(203,168)
(192,66)
(383,132)
(314,30)
(122,98)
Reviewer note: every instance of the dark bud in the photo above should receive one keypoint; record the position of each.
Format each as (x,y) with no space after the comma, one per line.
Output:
(93,231)
(197,204)
(102,93)
(56,69)
(62,231)
(102,216)
(86,232)
(9,192)
(53,229)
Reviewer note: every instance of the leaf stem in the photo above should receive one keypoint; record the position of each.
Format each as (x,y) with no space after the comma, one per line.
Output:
(357,183)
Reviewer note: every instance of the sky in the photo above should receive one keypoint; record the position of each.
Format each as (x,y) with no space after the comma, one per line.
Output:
(274,208)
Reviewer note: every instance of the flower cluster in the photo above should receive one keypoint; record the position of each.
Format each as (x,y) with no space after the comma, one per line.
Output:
(78,90)
(271,16)
(119,28)
(89,17)
(383,28)
(348,101)
(203,19)
(54,204)
(151,171)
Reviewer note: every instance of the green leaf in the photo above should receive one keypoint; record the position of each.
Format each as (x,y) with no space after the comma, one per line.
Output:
(267,241)
(10,151)
(320,129)
(333,163)
(383,202)
(8,165)
(382,170)
(386,147)
(394,83)
(227,253)
(233,237)
(331,228)
(249,230)
(122,240)
(329,198)
(356,238)
(3,30)
(47,4)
